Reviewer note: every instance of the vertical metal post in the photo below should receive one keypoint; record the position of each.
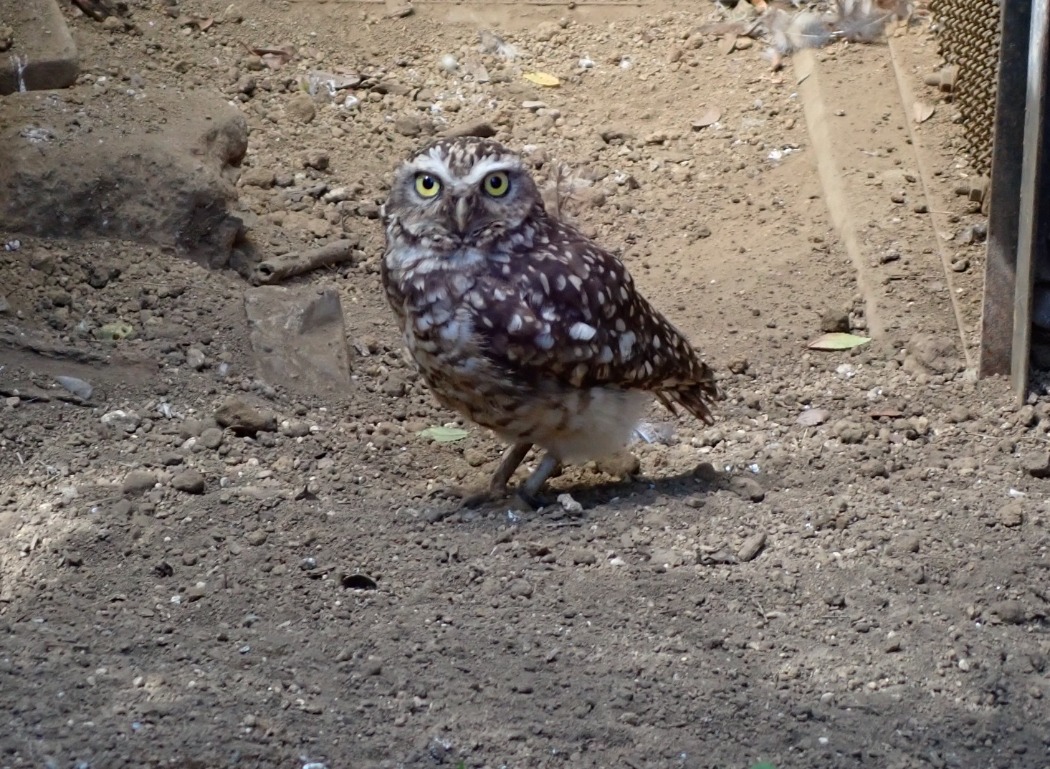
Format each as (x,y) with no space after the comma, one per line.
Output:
(1031,179)
(1005,194)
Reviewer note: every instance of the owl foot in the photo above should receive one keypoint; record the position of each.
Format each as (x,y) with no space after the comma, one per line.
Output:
(480,498)
(529,491)
(497,489)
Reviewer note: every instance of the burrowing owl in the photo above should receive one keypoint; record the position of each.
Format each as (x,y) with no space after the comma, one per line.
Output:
(519,322)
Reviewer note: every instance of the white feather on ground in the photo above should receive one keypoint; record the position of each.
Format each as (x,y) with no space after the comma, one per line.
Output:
(858,21)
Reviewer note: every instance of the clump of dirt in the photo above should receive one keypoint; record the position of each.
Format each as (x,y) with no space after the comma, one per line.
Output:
(158,167)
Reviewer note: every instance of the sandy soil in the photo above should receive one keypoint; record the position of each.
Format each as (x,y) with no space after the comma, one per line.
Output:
(202,567)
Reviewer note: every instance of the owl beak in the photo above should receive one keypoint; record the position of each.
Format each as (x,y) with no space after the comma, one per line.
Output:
(462,214)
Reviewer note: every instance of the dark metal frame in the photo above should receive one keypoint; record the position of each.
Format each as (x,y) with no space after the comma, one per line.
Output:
(1018,176)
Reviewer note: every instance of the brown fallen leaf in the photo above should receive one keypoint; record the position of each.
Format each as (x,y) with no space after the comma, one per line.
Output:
(200,22)
(923,112)
(727,44)
(711,116)
(274,58)
(886,413)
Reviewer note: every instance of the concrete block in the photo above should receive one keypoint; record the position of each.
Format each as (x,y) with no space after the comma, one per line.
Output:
(43,56)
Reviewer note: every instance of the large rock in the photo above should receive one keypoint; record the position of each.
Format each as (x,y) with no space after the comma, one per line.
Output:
(299,338)
(155,166)
(42,54)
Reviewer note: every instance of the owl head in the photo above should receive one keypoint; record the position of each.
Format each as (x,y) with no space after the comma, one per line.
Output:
(461,191)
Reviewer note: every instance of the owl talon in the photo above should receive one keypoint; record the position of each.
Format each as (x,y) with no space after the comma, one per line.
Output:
(529,491)
(479,498)
(534,501)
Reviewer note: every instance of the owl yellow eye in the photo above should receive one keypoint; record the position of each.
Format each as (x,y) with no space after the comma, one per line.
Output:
(497,184)
(427,186)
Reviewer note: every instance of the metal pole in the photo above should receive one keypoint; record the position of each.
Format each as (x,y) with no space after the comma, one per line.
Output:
(1005,194)
(1031,177)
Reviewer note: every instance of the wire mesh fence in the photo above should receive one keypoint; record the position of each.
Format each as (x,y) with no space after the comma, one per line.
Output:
(969,39)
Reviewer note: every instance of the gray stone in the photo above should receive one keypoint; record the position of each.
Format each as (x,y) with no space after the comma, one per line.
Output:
(834,320)
(299,338)
(519,588)
(751,547)
(124,421)
(1011,514)
(138,482)
(263,178)
(584,558)
(1010,611)
(301,108)
(211,438)
(189,481)
(244,418)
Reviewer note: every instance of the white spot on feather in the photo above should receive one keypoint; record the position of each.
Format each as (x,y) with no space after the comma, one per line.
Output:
(626,344)
(582,332)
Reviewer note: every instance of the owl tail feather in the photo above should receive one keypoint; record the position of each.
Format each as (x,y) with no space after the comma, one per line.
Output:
(695,398)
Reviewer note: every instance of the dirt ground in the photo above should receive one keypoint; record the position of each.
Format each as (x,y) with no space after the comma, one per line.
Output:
(202,567)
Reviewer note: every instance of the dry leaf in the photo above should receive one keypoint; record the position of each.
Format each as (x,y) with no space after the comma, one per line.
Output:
(274,58)
(444,434)
(923,112)
(727,45)
(542,78)
(837,341)
(886,413)
(200,22)
(711,116)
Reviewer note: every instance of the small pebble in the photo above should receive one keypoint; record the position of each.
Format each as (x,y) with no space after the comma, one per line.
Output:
(138,481)
(751,547)
(1011,514)
(189,481)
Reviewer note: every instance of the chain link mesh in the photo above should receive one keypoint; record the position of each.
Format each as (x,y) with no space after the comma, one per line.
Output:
(969,39)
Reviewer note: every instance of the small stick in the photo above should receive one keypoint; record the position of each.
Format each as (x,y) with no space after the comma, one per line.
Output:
(279,268)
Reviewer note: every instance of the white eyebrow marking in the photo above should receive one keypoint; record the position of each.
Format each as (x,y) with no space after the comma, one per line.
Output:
(486,166)
(431,164)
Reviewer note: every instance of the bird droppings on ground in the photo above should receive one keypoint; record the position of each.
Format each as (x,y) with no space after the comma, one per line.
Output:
(200,566)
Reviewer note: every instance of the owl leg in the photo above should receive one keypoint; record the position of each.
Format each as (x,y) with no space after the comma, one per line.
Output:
(512,457)
(544,470)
